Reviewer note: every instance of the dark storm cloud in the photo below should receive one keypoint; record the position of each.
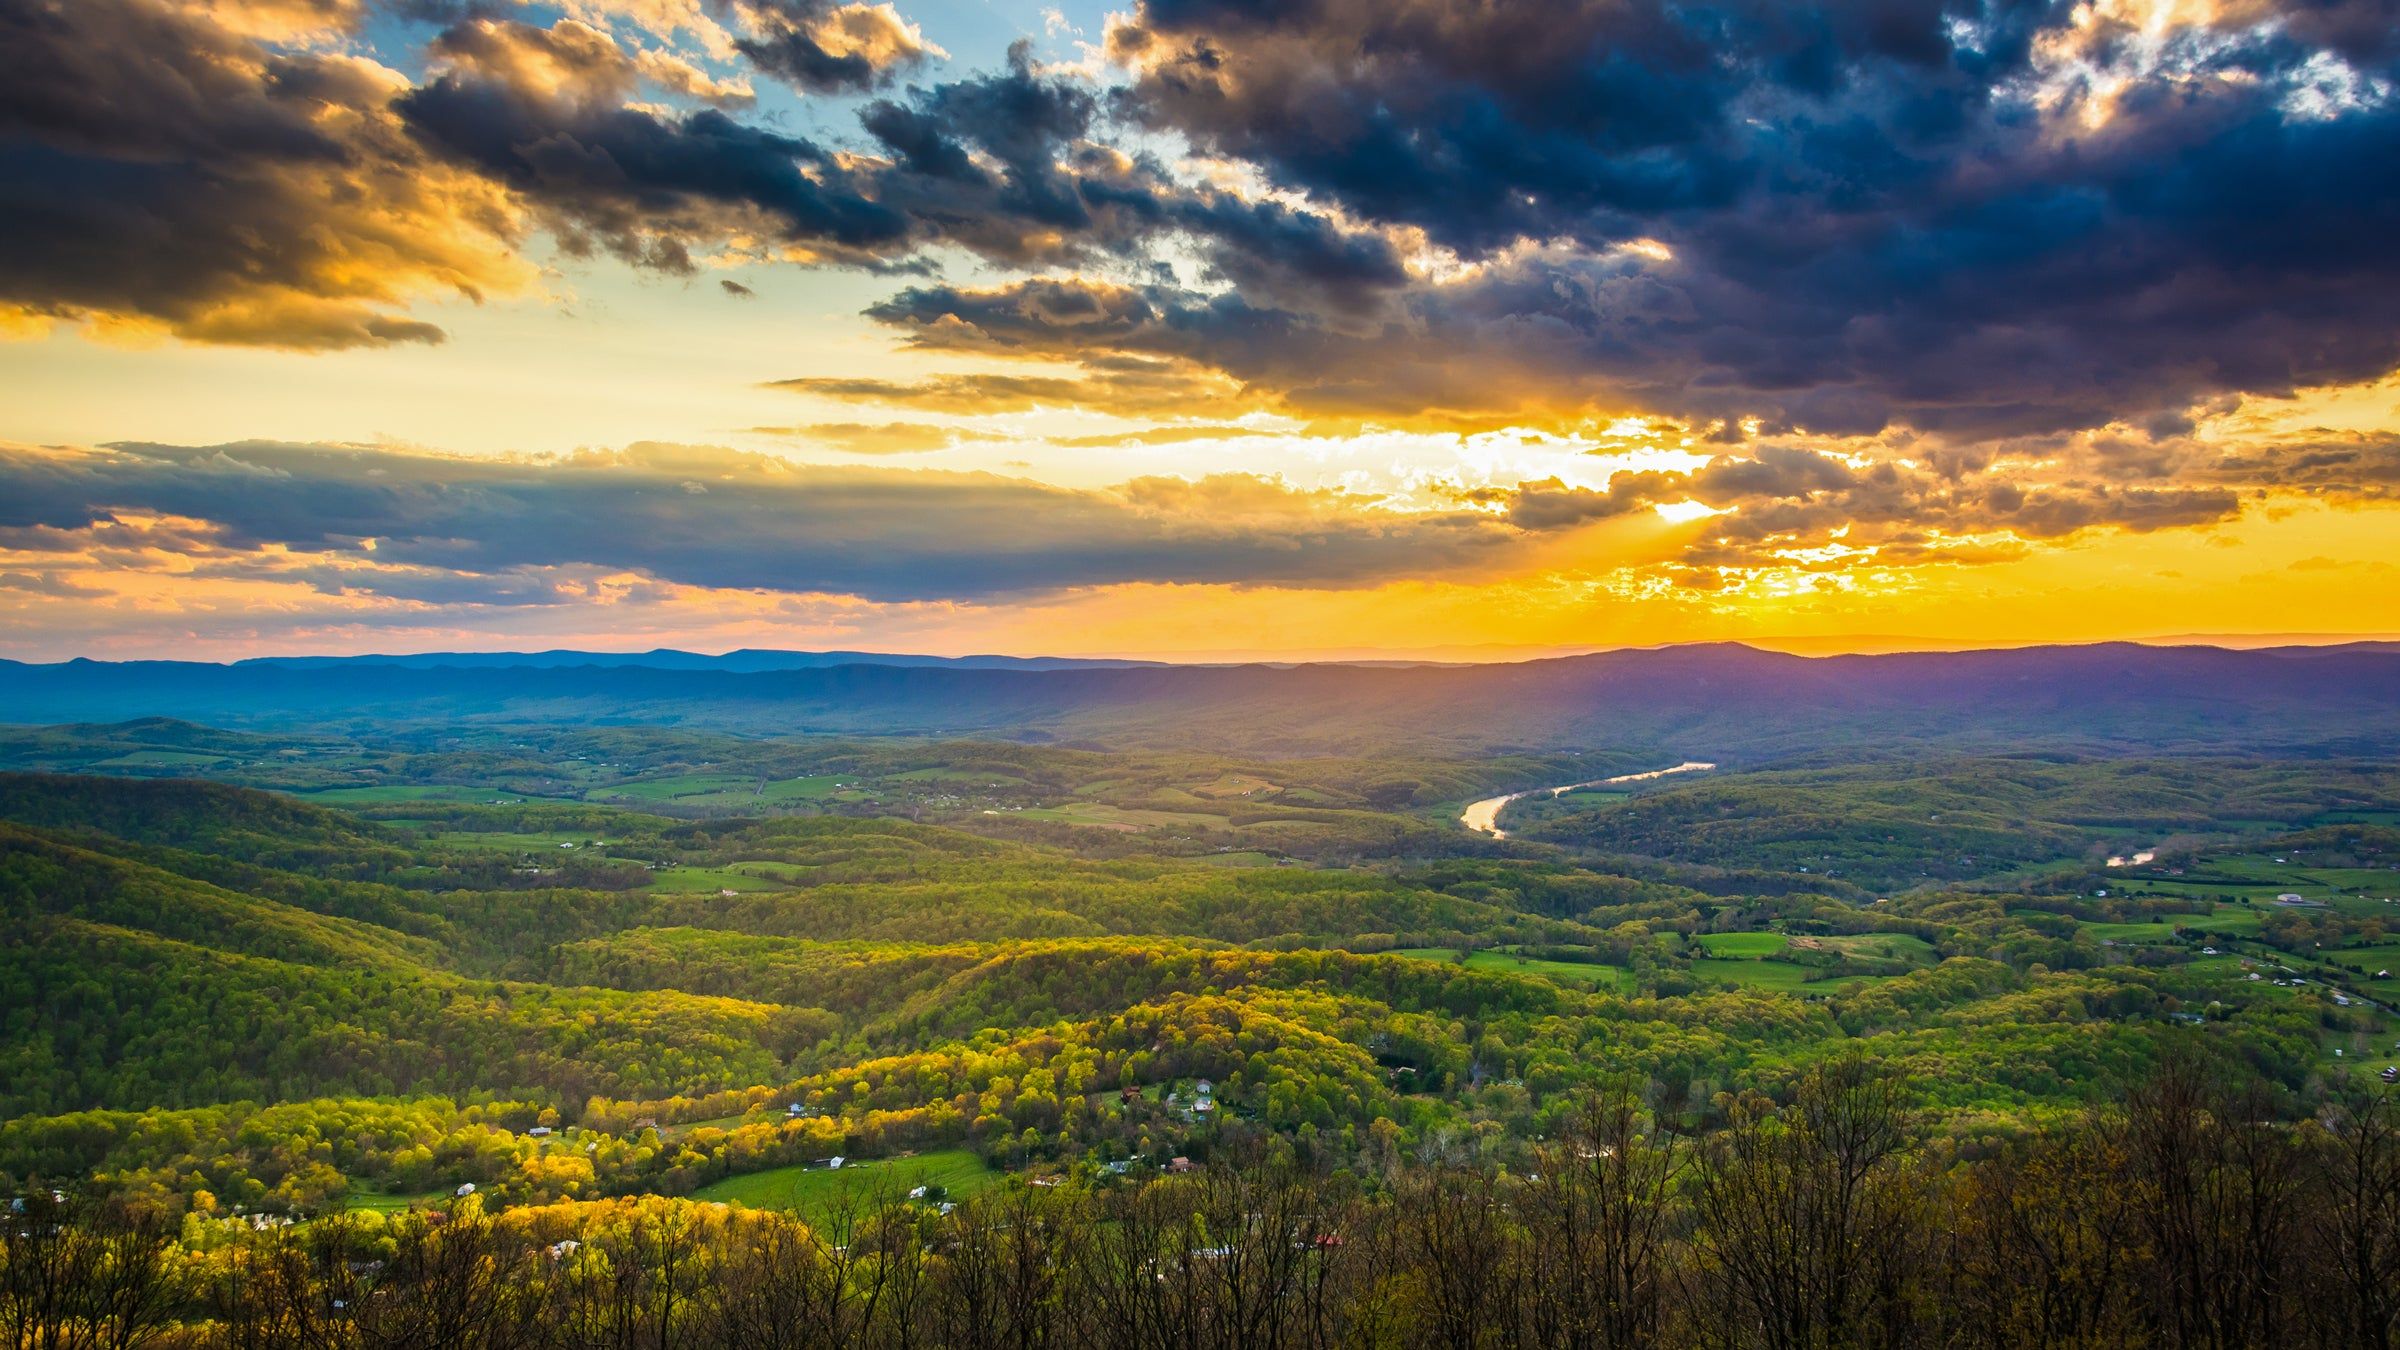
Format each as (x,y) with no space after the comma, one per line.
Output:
(642,184)
(1893,210)
(717,518)
(1004,164)
(1977,220)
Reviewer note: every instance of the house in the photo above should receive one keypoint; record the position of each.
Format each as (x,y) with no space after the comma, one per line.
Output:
(1131,1094)
(540,1132)
(1044,1182)
(832,1164)
(1204,1087)
(1203,1106)
(1179,1164)
(464,1190)
(916,1192)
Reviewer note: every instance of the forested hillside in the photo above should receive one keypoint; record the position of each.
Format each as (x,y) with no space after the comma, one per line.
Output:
(609,977)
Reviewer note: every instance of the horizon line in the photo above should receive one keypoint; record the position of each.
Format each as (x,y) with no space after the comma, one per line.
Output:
(1804,646)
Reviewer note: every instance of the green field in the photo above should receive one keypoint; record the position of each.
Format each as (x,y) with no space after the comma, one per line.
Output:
(1780,977)
(2260,876)
(733,792)
(2231,920)
(733,877)
(1885,946)
(385,1202)
(1248,857)
(515,842)
(159,759)
(960,777)
(1100,815)
(386,793)
(1607,978)
(1743,944)
(812,1191)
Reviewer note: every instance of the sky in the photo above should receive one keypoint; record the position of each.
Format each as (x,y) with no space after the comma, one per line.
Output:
(1195,328)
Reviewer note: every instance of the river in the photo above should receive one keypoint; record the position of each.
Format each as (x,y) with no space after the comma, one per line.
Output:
(1483,817)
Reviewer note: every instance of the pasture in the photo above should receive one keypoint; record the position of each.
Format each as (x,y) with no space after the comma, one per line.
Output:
(814,1192)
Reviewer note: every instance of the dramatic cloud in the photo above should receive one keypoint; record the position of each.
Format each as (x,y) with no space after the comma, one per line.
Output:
(1977,221)
(1784,504)
(1832,287)
(823,47)
(720,519)
(540,111)
(161,171)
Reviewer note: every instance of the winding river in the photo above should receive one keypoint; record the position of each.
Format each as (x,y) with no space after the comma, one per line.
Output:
(1483,817)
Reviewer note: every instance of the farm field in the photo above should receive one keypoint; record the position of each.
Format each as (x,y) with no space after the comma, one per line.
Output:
(389,793)
(1774,976)
(368,1201)
(161,759)
(813,1191)
(1607,978)
(2231,920)
(519,841)
(1743,944)
(744,877)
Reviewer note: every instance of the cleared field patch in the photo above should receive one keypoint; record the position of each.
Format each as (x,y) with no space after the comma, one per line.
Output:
(1248,857)
(2230,920)
(388,1202)
(1781,977)
(962,777)
(555,841)
(743,877)
(1573,973)
(679,786)
(1881,946)
(2368,960)
(1743,944)
(1100,815)
(1235,785)
(160,759)
(812,1192)
(815,788)
(388,793)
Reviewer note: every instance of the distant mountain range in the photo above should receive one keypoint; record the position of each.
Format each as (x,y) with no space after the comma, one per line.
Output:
(749,659)
(1701,700)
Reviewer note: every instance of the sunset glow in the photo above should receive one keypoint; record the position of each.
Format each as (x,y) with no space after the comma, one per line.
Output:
(1357,328)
